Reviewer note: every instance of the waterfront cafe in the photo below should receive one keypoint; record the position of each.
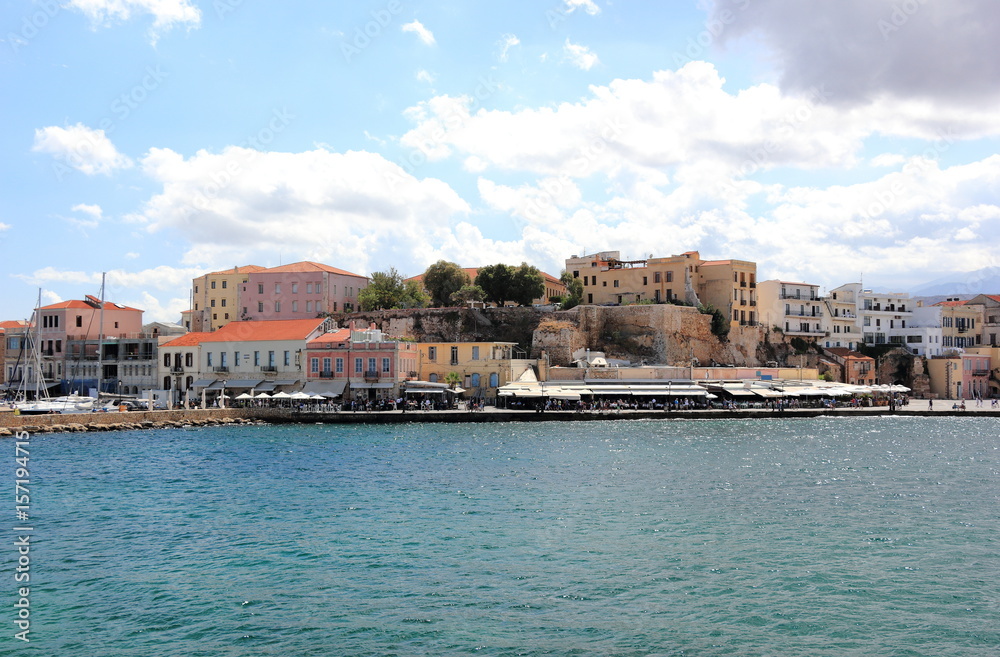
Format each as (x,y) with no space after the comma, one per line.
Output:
(643,391)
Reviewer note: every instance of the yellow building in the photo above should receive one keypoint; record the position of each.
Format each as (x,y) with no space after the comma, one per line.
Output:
(960,324)
(215,298)
(482,367)
(728,285)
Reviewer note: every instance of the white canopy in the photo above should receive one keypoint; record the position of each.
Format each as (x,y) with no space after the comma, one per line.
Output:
(244,395)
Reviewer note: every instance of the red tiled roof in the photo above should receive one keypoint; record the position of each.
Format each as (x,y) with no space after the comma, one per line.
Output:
(252,331)
(110,305)
(308,266)
(950,303)
(340,335)
(13,323)
(844,352)
(245,269)
(192,339)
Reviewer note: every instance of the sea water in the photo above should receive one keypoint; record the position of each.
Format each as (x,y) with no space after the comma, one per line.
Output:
(873,536)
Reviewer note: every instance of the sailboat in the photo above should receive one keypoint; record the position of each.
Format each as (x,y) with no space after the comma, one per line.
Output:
(42,403)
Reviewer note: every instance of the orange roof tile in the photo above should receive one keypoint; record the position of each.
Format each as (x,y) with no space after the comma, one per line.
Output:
(192,339)
(308,266)
(251,331)
(951,303)
(245,269)
(110,305)
(340,335)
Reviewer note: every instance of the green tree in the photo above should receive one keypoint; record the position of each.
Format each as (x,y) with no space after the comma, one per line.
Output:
(466,294)
(574,290)
(495,281)
(527,284)
(442,280)
(720,325)
(453,379)
(387,290)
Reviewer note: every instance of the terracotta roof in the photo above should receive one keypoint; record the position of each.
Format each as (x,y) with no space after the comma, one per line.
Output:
(192,339)
(340,335)
(950,303)
(245,269)
(253,331)
(110,305)
(13,323)
(308,266)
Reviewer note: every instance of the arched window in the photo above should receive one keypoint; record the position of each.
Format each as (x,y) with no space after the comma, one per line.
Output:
(188,382)
(433,378)
(494,380)
(475,380)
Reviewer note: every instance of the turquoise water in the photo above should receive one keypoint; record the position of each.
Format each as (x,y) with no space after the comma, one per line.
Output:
(799,537)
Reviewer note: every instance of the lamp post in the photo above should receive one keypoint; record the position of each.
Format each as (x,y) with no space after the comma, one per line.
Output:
(119,388)
(222,399)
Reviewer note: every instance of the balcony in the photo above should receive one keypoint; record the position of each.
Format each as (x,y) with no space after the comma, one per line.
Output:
(799,297)
(176,370)
(326,375)
(747,322)
(815,313)
(743,283)
(753,285)
(753,303)
(980,372)
(268,368)
(223,369)
(371,375)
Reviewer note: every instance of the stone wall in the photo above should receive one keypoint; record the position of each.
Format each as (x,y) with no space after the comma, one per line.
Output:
(12,421)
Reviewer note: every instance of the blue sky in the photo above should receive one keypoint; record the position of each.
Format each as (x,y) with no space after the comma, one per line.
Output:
(159,139)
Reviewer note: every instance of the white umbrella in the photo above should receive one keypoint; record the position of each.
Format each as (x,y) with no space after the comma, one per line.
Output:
(244,396)
(317,396)
(262,395)
(281,395)
(299,395)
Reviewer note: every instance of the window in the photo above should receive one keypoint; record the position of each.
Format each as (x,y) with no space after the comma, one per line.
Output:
(166,360)
(494,379)
(359,364)
(223,359)
(295,288)
(616,282)
(188,359)
(309,288)
(454,355)
(215,316)
(224,285)
(656,277)
(277,288)
(475,353)
(309,306)
(385,366)
(645,280)
(213,303)
(475,380)
(223,303)
(433,378)
(208,357)
(287,358)
(295,306)
(340,365)
(260,306)
(236,359)
(256,358)
(604,283)
(79,320)
(212,285)
(260,288)
(314,365)
(371,365)
(277,306)
(270,359)
(670,277)
(432,353)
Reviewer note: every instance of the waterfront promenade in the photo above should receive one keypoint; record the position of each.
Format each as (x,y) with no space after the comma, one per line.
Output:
(137,420)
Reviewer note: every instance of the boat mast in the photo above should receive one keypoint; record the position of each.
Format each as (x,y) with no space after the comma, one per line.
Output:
(36,354)
(100,341)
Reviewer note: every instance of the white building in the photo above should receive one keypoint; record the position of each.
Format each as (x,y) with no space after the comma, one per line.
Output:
(795,308)
(883,317)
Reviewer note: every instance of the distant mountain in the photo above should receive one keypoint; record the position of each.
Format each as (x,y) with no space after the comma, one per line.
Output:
(981,281)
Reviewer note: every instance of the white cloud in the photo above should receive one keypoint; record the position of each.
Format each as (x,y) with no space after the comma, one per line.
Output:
(131,255)
(356,210)
(507,42)
(888,160)
(579,56)
(425,76)
(166,13)
(80,147)
(4,226)
(93,210)
(587,5)
(422,32)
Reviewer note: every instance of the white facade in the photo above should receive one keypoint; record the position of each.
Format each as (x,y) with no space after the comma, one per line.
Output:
(924,335)
(796,308)
(882,317)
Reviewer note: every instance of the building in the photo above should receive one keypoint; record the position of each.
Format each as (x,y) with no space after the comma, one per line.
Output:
(15,325)
(728,285)
(840,321)
(795,308)
(960,376)
(994,378)
(360,364)
(298,291)
(960,324)
(855,368)
(882,316)
(241,356)
(481,367)
(990,318)
(215,298)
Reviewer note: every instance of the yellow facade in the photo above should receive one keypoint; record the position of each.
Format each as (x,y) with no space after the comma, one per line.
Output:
(728,285)
(481,366)
(215,297)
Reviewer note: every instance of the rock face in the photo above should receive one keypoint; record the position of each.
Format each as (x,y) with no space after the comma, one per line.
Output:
(659,333)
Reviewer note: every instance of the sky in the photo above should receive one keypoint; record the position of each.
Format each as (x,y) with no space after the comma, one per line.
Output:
(156,140)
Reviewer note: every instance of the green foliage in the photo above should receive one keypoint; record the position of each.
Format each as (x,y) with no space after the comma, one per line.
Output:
(801,346)
(827,376)
(720,324)
(574,290)
(442,280)
(495,281)
(453,378)
(387,290)
(527,284)
(466,294)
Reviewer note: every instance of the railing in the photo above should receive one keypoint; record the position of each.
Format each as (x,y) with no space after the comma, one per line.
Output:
(327,374)
(803,314)
(743,283)
(371,374)
(752,285)
(176,370)
(753,303)
(980,372)
(221,368)
(268,368)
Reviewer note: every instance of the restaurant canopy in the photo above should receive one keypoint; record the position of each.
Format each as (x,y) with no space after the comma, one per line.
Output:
(328,389)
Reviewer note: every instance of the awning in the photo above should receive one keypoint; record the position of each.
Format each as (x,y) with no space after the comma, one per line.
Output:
(737,391)
(243,383)
(424,391)
(268,386)
(767,393)
(202,383)
(367,385)
(215,385)
(328,389)
(456,390)
(426,384)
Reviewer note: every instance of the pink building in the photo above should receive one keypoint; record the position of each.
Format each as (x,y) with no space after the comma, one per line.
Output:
(299,291)
(960,376)
(359,364)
